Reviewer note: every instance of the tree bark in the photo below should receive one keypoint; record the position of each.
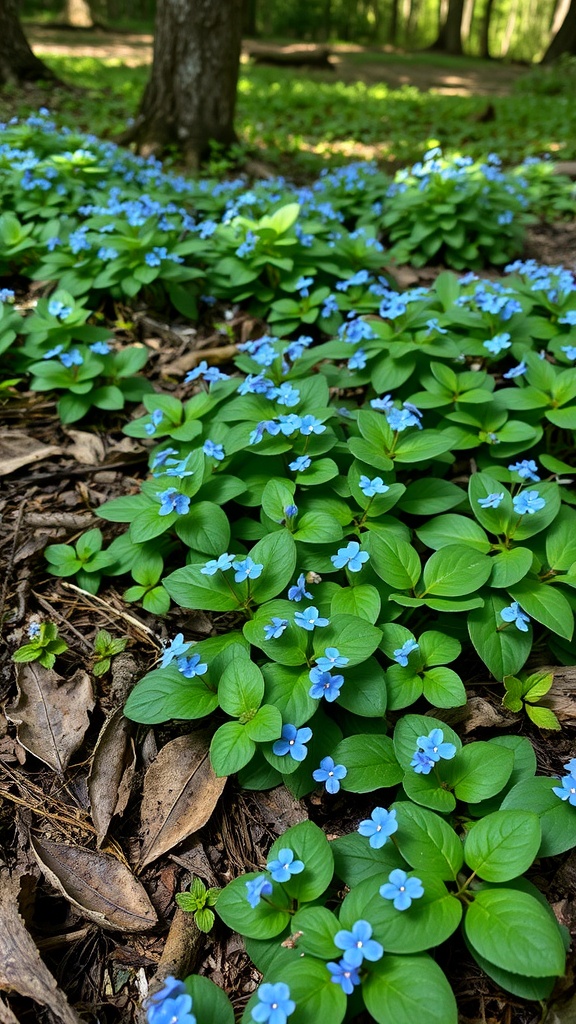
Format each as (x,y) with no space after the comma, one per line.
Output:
(450,36)
(485,30)
(191,94)
(565,39)
(17,62)
(77,14)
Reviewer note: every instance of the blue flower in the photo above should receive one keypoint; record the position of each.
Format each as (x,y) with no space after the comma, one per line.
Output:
(350,556)
(433,325)
(331,659)
(7,295)
(401,889)
(358,360)
(275,1005)
(286,395)
(344,975)
(400,419)
(570,319)
(190,667)
(378,827)
(156,417)
(246,569)
(285,866)
(421,763)
(222,563)
(567,789)
(498,343)
(170,1005)
(33,630)
(300,464)
(309,619)
(257,887)
(303,286)
(58,309)
(293,742)
(358,944)
(162,456)
(274,629)
(513,613)
(71,358)
(525,469)
(291,511)
(569,350)
(570,766)
(528,502)
(298,591)
(176,648)
(211,374)
(324,685)
(520,370)
(384,404)
(100,348)
(330,774)
(173,501)
(434,746)
(492,500)
(212,450)
(401,653)
(370,488)
(311,425)
(53,352)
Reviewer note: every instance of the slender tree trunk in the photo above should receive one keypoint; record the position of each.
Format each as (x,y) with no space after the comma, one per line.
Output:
(485,30)
(467,18)
(565,39)
(77,14)
(393,28)
(191,95)
(249,26)
(509,30)
(450,36)
(17,62)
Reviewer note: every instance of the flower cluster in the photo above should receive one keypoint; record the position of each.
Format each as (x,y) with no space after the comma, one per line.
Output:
(430,750)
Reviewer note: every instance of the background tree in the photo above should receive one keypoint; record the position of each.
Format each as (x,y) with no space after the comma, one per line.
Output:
(565,39)
(450,34)
(191,95)
(17,62)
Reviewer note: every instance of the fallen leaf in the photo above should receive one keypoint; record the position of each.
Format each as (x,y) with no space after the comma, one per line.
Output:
(21,969)
(102,888)
(180,792)
(86,448)
(51,713)
(6,1015)
(112,772)
(18,449)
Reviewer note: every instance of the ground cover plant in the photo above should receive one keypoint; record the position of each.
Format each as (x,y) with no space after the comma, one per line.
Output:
(371,501)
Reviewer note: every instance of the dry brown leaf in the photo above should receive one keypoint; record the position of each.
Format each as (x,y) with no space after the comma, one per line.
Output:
(21,969)
(51,713)
(18,449)
(86,448)
(180,792)
(102,888)
(112,771)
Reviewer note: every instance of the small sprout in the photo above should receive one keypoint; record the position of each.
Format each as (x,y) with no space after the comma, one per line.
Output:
(105,648)
(44,644)
(198,901)
(526,694)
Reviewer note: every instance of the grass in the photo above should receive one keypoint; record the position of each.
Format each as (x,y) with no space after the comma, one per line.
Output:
(299,122)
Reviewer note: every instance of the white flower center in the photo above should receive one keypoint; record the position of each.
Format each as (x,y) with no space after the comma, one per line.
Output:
(402,888)
(291,743)
(435,749)
(378,828)
(332,773)
(274,1006)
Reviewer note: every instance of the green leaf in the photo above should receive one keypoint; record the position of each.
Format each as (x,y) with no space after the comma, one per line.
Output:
(266,724)
(204,919)
(455,571)
(355,638)
(276,496)
(370,762)
(205,529)
(394,560)
(503,844)
(287,649)
(265,921)
(318,927)
(557,818)
(546,604)
(526,988)
(241,686)
(441,531)
(428,791)
(362,601)
(149,524)
(355,859)
(421,446)
(277,553)
(309,844)
(427,842)
(209,1001)
(364,690)
(443,688)
(231,748)
(311,988)
(430,496)
(479,770)
(190,588)
(287,688)
(511,929)
(503,650)
(510,566)
(544,718)
(164,694)
(410,728)
(390,992)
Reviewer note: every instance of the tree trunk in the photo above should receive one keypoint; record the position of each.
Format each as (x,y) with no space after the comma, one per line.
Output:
(190,98)
(17,62)
(485,30)
(565,39)
(249,23)
(393,27)
(77,14)
(450,36)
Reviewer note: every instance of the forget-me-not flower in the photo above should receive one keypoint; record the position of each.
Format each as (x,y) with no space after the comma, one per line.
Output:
(300,464)
(344,975)
(293,742)
(175,649)
(258,887)
(170,1005)
(222,563)
(528,502)
(378,827)
(351,556)
(156,417)
(298,591)
(212,450)
(275,1005)
(310,618)
(173,501)
(330,774)
(284,866)
(499,343)
(331,659)
(273,630)
(370,488)
(358,944)
(401,889)
(401,654)
(491,500)
(324,685)
(246,569)
(513,613)
(436,747)
(191,667)
(519,370)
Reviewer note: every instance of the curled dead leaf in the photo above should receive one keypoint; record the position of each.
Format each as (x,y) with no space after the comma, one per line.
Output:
(18,449)
(51,713)
(112,772)
(103,889)
(180,792)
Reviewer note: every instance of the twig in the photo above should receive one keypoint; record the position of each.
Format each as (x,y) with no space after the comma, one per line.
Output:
(62,618)
(115,611)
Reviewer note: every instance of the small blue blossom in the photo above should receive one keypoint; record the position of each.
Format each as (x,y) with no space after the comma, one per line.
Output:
(401,889)
(421,763)
(570,766)
(358,944)
(107,253)
(330,774)
(177,468)
(309,619)
(156,417)
(520,370)
(330,306)
(401,654)
(491,500)
(170,1005)
(53,352)
(358,360)
(222,563)
(161,458)
(567,789)
(211,374)
(274,629)
(384,404)
(291,511)
(33,630)
(258,887)
(298,591)
(190,667)
(100,348)
(176,649)
(528,502)
(284,866)
(378,827)
(58,309)
(246,569)
(303,286)
(71,358)
(213,451)
(351,556)
(300,464)
(435,747)
(173,501)
(570,319)
(275,1005)
(324,685)
(525,469)
(311,425)
(293,742)
(370,488)
(344,975)
(400,419)
(433,325)
(331,659)
(287,395)
(569,351)
(498,343)
(7,295)
(513,613)
(52,243)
